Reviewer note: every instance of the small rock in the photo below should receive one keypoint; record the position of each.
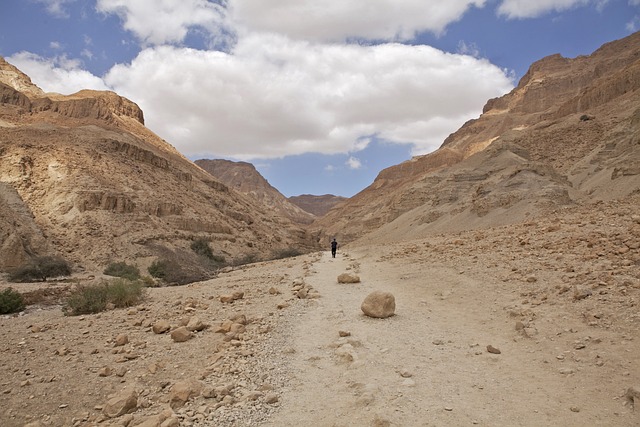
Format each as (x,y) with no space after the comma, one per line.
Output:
(271,398)
(344,333)
(122,403)
(448,408)
(633,396)
(105,372)
(581,292)
(195,324)
(161,326)
(493,350)
(574,409)
(121,340)
(182,391)
(348,278)
(231,298)
(181,334)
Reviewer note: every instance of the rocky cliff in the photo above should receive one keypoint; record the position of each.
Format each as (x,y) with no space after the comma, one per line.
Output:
(82,177)
(243,177)
(317,205)
(567,134)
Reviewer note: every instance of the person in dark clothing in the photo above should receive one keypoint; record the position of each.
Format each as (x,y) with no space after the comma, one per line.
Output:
(334,247)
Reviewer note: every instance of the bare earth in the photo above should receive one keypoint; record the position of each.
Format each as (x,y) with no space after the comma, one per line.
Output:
(558,298)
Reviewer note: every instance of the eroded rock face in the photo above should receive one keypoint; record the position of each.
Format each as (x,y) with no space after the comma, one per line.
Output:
(101,187)
(565,134)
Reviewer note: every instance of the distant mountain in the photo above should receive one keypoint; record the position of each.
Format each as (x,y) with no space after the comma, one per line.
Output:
(567,134)
(83,178)
(243,177)
(317,205)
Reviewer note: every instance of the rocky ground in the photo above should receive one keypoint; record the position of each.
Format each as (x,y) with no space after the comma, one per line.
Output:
(522,325)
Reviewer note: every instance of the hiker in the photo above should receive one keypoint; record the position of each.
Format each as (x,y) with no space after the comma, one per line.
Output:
(334,247)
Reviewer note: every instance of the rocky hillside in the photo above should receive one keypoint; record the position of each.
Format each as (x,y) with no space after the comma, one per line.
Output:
(567,134)
(317,205)
(243,177)
(83,178)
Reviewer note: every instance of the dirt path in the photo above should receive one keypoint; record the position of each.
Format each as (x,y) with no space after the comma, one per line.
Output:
(429,365)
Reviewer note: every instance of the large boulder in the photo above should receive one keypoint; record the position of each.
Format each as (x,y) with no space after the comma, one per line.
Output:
(379,304)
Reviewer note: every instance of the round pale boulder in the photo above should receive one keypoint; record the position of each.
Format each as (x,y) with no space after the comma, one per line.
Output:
(379,304)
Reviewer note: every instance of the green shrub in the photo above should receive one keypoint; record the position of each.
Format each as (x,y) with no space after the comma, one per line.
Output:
(122,269)
(40,268)
(96,298)
(11,301)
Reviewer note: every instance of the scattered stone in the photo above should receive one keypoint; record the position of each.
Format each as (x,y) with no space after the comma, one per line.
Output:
(181,334)
(574,409)
(344,333)
(122,403)
(121,340)
(581,292)
(448,408)
(379,305)
(566,371)
(282,305)
(271,398)
(161,326)
(493,350)
(633,396)
(231,298)
(196,325)
(348,278)
(405,374)
(182,391)
(253,395)
(273,291)
(105,372)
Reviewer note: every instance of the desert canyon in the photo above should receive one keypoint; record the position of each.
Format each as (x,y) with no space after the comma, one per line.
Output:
(512,251)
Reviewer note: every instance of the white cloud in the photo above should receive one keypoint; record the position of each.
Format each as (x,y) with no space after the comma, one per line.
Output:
(336,20)
(157,22)
(59,74)
(165,21)
(57,7)
(519,9)
(354,163)
(55,45)
(273,97)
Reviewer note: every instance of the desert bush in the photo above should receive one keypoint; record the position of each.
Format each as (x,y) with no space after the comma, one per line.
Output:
(286,253)
(246,259)
(40,268)
(160,268)
(11,301)
(174,273)
(122,269)
(202,248)
(88,299)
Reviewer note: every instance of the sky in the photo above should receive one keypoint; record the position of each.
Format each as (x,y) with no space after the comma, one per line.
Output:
(319,96)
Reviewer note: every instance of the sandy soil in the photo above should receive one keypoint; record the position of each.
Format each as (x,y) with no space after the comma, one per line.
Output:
(557,298)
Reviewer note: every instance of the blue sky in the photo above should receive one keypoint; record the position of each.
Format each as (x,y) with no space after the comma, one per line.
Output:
(320,99)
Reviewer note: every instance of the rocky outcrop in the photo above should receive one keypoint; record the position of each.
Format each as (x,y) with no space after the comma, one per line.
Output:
(243,177)
(316,205)
(20,236)
(566,134)
(101,187)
